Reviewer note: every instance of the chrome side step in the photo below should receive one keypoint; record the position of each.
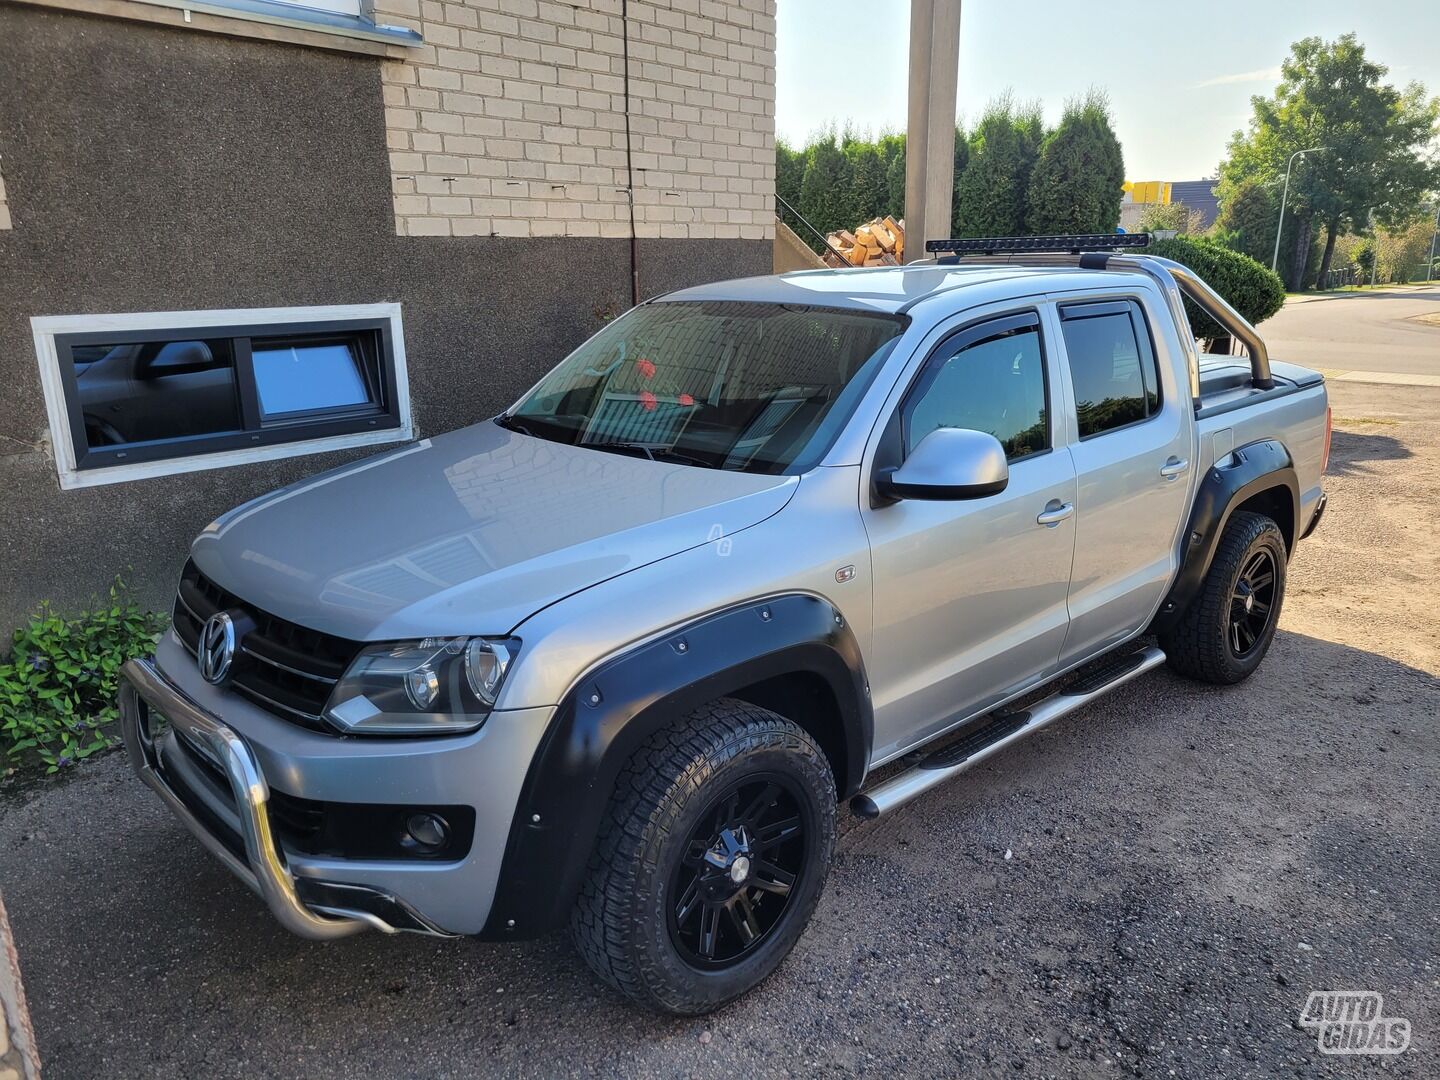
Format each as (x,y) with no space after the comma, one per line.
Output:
(989,735)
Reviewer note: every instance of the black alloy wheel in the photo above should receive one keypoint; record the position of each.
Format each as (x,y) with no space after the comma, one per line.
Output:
(1227,628)
(741,864)
(709,860)
(1252,604)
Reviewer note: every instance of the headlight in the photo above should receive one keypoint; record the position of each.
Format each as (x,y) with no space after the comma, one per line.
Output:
(437,686)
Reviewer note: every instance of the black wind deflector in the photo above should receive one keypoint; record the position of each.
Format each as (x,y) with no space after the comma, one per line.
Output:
(1099,251)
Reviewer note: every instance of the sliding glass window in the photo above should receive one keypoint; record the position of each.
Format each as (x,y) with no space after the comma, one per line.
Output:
(150,395)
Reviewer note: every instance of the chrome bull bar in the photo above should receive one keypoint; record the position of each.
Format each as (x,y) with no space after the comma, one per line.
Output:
(143,687)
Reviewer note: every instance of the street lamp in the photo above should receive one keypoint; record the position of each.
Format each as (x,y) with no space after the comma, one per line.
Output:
(1275,259)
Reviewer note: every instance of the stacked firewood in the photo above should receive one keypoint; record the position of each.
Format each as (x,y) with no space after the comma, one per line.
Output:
(880,242)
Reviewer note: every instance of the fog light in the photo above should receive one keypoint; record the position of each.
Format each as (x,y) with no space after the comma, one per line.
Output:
(428,830)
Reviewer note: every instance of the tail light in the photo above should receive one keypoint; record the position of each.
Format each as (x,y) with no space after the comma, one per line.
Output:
(1329,428)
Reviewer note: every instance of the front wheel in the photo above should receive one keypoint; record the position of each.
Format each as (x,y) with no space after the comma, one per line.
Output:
(1227,629)
(710,859)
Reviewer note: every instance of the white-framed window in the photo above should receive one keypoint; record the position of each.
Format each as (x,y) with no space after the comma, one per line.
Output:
(149,394)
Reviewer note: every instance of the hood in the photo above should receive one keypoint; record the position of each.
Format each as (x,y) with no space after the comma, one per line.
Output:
(468,533)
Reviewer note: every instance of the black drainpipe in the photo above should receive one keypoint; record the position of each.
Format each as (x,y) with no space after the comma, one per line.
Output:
(629,161)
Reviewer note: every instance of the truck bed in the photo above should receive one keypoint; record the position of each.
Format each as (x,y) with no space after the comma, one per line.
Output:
(1225,383)
(1233,412)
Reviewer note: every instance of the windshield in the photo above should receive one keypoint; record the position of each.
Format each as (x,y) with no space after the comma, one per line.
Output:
(735,385)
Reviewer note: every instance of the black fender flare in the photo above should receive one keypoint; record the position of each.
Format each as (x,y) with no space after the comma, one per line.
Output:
(611,711)
(1247,471)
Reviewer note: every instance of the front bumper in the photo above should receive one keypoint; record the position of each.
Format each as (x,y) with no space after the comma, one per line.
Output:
(211,769)
(143,688)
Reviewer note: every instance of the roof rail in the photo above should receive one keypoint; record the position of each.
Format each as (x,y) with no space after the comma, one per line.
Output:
(1092,251)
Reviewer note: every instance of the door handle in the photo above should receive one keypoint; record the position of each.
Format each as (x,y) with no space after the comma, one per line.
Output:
(1055,512)
(1173,468)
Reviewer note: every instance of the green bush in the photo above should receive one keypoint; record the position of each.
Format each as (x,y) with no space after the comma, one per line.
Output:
(1253,290)
(58,685)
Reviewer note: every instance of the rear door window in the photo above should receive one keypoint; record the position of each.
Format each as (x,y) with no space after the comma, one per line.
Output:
(1112,365)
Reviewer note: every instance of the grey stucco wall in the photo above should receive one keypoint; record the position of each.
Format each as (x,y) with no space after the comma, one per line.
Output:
(152,169)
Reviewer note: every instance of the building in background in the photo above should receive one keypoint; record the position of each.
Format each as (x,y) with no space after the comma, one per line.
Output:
(1196,195)
(242,241)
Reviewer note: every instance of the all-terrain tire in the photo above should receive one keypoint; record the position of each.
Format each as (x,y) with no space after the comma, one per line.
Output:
(1201,643)
(673,789)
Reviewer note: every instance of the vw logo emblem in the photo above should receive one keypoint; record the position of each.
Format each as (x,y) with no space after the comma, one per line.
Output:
(217,647)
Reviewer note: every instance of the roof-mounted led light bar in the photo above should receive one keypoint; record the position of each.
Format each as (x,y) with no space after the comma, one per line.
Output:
(1071,245)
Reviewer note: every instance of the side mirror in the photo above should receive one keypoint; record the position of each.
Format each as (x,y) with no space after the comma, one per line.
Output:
(949,463)
(176,358)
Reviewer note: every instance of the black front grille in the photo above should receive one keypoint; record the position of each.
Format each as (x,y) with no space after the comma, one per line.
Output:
(285,668)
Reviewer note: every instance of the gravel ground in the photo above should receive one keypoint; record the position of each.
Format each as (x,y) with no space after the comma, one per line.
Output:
(1151,887)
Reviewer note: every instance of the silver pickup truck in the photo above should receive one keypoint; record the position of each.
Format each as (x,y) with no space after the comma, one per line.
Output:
(613,658)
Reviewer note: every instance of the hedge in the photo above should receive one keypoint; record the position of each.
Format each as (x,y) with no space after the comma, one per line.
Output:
(1253,290)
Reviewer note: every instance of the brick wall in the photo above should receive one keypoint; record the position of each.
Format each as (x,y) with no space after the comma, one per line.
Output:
(510,120)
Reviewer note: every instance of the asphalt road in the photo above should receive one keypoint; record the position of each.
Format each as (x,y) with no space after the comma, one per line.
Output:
(1359,331)
(1152,887)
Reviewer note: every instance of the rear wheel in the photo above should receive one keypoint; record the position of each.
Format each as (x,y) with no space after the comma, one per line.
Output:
(1227,629)
(710,859)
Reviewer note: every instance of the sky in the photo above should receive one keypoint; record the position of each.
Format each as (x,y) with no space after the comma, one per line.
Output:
(1179,76)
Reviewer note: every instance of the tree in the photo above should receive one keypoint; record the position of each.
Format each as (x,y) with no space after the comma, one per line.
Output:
(990,197)
(1404,249)
(962,162)
(1169,217)
(789,171)
(1377,141)
(1030,123)
(825,196)
(869,190)
(1076,183)
(890,144)
(895,185)
(892,151)
(1363,256)
(1246,221)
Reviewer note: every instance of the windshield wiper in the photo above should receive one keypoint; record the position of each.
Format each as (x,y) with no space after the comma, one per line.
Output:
(654,453)
(508,422)
(663,454)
